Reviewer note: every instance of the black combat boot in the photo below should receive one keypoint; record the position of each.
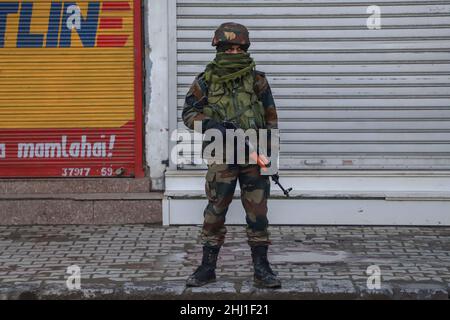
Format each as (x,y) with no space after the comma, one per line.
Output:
(264,276)
(205,273)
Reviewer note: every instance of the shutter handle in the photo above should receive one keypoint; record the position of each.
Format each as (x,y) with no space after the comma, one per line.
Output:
(315,162)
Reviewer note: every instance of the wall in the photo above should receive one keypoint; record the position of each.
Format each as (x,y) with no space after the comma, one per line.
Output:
(157,91)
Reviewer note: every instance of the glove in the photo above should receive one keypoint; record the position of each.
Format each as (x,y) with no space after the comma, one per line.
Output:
(213,124)
(229,125)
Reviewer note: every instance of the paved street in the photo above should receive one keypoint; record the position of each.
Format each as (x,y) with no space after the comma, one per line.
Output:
(146,261)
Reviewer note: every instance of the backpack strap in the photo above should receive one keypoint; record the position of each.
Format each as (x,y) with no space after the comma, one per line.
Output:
(202,83)
(255,73)
(204,87)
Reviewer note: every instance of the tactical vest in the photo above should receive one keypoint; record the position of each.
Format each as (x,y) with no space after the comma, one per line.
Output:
(240,105)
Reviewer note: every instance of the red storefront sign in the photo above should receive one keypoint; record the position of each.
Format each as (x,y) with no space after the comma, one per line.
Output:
(71,89)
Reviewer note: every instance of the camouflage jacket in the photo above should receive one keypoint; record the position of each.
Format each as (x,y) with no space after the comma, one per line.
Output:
(197,97)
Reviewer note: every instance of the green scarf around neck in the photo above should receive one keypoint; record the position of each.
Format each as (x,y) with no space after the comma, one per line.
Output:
(226,68)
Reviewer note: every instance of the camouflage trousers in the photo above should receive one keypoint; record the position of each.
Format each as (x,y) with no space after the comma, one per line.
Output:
(220,185)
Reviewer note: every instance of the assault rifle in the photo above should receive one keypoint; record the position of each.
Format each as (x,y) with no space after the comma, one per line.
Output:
(260,159)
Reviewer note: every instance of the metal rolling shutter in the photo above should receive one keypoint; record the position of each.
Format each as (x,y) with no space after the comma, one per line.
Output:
(347,97)
(70,94)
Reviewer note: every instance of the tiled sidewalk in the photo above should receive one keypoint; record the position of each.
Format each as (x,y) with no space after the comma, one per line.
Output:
(139,261)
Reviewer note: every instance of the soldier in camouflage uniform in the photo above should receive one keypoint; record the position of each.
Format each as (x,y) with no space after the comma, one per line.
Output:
(231,88)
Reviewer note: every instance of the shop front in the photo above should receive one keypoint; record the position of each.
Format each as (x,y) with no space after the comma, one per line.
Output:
(70,89)
(72,114)
(362,95)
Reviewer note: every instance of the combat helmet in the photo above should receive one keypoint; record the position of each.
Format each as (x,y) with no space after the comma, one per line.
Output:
(231,33)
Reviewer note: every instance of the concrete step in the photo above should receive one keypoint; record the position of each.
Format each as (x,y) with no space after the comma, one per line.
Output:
(322,208)
(75,185)
(83,196)
(80,208)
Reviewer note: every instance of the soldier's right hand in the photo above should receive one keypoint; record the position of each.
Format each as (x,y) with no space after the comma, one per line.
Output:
(213,124)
